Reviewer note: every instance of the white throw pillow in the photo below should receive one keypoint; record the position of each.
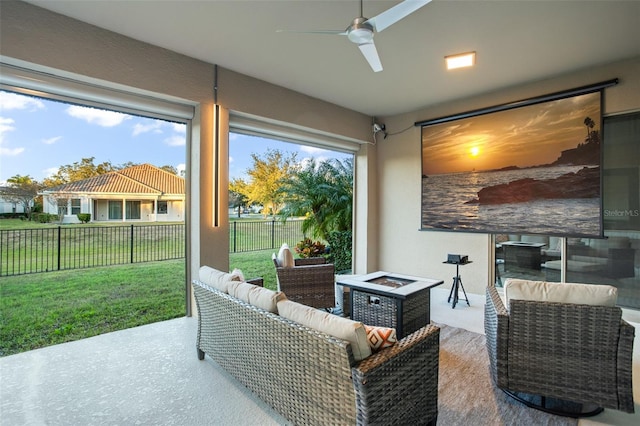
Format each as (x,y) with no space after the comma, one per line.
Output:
(585,294)
(285,257)
(217,279)
(342,328)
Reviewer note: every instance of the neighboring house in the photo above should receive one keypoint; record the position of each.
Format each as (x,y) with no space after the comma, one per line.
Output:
(11,207)
(142,193)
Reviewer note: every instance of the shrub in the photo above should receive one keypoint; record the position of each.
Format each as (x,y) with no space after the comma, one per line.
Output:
(46,217)
(340,250)
(308,248)
(84,217)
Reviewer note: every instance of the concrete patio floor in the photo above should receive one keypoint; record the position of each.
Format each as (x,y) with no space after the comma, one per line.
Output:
(150,375)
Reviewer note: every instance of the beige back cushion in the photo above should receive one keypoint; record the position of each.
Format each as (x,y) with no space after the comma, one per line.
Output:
(218,279)
(285,257)
(342,328)
(585,294)
(258,296)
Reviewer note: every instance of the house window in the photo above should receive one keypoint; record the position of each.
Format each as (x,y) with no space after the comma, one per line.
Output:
(62,207)
(162,207)
(133,209)
(115,210)
(75,206)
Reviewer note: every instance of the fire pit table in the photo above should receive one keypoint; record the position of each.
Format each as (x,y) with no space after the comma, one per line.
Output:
(388,299)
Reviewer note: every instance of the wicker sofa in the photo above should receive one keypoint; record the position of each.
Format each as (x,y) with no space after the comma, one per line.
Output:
(571,346)
(311,377)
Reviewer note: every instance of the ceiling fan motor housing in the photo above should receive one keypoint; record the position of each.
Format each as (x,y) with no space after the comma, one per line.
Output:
(360,31)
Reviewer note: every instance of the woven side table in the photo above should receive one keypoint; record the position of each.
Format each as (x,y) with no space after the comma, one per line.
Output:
(390,300)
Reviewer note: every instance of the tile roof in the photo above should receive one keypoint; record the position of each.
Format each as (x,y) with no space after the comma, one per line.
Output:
(140,179)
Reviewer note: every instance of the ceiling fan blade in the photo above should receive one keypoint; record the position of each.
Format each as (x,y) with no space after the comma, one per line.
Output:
(396,13)
(330,32)
(371,55)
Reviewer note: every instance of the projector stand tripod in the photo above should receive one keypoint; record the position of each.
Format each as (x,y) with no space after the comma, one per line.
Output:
(457,285)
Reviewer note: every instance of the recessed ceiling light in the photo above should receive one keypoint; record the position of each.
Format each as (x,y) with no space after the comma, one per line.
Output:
(460,60)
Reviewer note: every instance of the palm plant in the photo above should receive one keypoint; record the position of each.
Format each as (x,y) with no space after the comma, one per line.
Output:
(322,192)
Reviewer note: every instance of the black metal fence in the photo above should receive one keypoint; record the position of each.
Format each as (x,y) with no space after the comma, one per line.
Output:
(26,251)
(263,235)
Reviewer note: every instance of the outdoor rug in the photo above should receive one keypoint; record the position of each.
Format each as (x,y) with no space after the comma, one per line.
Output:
(466,394)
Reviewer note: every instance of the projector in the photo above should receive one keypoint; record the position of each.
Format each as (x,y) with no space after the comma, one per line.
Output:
(457,258)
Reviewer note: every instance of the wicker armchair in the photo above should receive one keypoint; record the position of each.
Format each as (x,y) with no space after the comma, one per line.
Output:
(310,282)
(546,354)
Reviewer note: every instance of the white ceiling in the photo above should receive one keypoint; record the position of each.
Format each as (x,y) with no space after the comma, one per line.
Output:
(516,41)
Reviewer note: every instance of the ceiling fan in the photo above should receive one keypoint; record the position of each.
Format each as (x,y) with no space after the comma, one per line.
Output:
(362,29)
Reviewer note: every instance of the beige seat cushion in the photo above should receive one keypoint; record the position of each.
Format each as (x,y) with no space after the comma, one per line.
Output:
(342,328)
(585,294)
(218,279)
(258,296)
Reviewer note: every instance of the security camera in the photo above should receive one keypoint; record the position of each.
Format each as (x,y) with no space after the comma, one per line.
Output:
(378,127)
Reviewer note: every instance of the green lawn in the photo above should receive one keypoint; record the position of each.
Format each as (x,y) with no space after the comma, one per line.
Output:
(255,264)
(44,309)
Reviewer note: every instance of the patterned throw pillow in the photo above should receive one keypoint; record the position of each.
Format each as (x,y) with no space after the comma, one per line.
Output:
(380,337)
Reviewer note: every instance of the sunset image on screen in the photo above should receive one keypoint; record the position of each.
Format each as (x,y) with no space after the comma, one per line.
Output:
(529,169)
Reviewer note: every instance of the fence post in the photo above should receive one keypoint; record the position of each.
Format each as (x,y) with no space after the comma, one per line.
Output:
(131,244)
(273,233)
(59,244)
(235,234)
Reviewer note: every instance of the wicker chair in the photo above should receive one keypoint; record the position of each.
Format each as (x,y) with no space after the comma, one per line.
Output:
(310,282)
(546,354)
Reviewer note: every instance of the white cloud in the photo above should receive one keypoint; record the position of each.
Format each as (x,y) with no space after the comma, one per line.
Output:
(14,101)
(230,159)
(175,141)
(97,116)
(51,141)
(153,126)
(50,171)
(312,150)
(10,152)
(179,127)
(6,125)
(181,168)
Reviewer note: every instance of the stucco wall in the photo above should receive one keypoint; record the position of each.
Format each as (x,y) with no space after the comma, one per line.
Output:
(401,246)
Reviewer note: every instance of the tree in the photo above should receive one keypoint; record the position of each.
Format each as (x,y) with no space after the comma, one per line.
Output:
(60,200)
(266,178)
(170,169)
(78,171)
(21,190)
(590,124)
(237,197)
(322,192)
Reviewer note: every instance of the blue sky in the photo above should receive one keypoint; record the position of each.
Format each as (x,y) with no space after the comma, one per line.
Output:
(37,136)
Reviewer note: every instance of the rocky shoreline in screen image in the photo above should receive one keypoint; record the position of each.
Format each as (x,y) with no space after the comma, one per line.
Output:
(584,183)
